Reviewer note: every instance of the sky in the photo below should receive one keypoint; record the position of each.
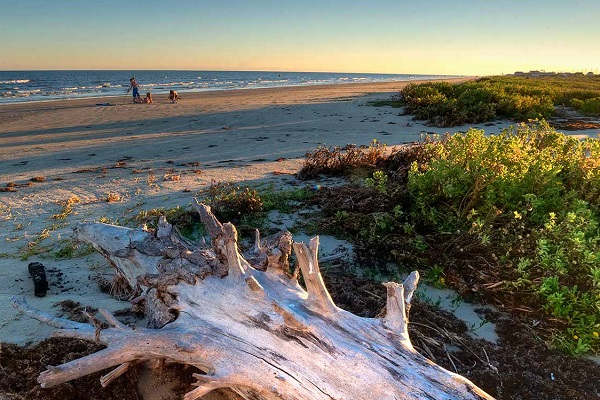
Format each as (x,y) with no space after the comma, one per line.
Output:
(464,37)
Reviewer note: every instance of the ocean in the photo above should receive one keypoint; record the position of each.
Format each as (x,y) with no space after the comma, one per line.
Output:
(25,86)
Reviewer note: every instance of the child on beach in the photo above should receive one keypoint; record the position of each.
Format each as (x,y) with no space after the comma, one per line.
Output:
(135,86)
(173,96)
(143,100)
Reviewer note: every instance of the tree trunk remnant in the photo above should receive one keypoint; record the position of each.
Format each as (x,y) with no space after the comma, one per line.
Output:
(246,323)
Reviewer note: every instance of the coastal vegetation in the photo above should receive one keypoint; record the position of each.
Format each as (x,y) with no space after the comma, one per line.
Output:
(512,219)
(514,97)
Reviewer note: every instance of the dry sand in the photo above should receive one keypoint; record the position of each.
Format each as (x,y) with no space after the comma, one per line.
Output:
(156,155)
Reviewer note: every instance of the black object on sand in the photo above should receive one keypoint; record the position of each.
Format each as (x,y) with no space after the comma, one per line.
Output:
(38,274)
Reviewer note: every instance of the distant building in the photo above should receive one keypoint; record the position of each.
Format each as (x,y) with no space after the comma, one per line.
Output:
(535,73)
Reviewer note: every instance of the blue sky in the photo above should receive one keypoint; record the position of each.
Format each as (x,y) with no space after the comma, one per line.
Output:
(428,36)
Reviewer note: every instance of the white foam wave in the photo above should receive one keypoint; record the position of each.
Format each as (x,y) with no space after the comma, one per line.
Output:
(15,81)
(169,84)
(28,92)
(180,83)
(273,81)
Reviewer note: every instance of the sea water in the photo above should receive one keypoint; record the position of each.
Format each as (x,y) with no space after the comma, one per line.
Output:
(24,86)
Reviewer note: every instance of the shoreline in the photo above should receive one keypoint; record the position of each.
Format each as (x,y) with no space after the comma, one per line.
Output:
(194,94)
(33,86)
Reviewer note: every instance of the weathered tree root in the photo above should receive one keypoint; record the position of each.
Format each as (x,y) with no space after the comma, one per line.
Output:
(247,323)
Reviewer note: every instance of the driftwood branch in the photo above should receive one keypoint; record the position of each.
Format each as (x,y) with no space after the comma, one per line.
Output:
(247,325)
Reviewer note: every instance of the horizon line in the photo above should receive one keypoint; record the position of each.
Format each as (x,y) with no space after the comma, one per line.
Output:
(236,70)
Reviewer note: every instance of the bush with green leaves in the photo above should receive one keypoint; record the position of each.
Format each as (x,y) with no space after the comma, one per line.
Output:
(186,220)
(590,106)
(229,201)
(496,175)
(248,206)
(378,181)
(534,192)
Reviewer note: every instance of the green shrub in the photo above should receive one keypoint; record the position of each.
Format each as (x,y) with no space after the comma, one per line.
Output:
(185,219)
(534,192)
(566,269)
(565,97)
(589,106)
(229,202)
(248,207)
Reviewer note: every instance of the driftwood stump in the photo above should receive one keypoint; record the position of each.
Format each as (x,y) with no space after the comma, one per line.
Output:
(247,325)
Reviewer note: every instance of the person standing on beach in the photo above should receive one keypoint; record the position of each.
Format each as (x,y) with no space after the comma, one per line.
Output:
(135,86)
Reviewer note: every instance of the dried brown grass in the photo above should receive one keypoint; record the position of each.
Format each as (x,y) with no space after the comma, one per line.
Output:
(341,160)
